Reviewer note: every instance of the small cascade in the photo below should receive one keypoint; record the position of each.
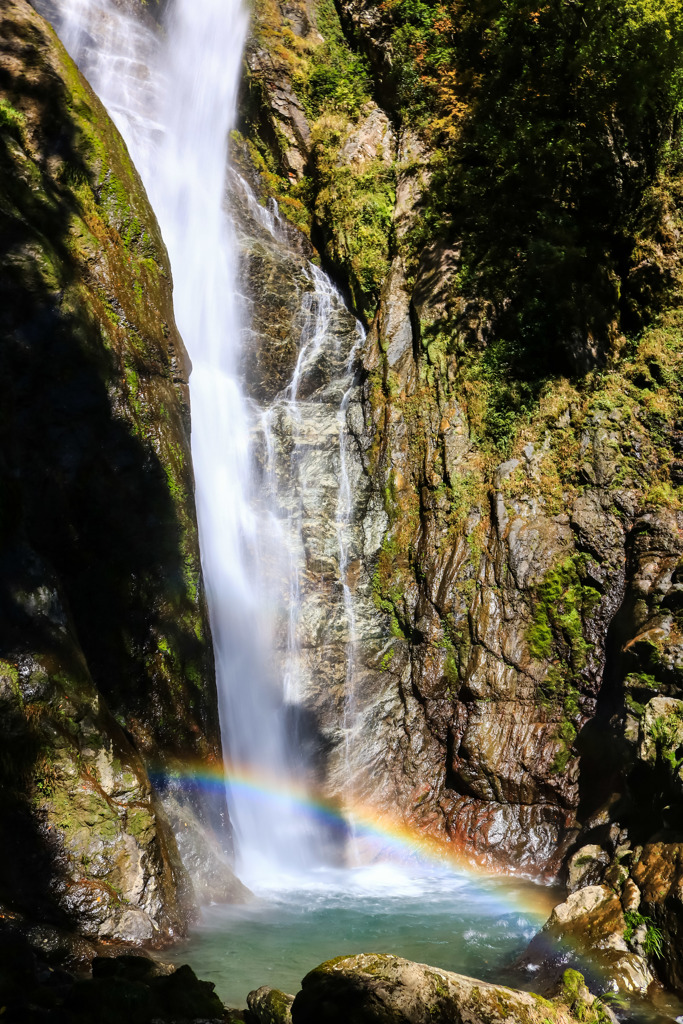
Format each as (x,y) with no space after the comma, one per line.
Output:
(273,485)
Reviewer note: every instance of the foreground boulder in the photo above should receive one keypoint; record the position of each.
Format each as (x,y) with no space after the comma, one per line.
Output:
(270,1006)
(34,989)
(370,988)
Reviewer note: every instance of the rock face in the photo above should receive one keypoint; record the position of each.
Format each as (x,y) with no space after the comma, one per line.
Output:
(516,661)
(517,606)
(328,524)
(105,653)
(371,988)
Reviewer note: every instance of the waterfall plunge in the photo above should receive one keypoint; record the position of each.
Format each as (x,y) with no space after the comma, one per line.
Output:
(203,63)
(174,102)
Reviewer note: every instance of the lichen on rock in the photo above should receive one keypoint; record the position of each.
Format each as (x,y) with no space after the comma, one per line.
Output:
(370,988)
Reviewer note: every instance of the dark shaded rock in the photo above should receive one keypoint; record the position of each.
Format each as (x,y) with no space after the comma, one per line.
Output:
(105,652)
(125,988)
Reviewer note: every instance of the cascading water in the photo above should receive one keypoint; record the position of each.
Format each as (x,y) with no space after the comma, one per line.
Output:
(277,489)
(174,102)
(189,199)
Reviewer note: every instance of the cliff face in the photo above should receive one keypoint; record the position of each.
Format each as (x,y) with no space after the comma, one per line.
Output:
(500,568)
(516,424)
(106,662)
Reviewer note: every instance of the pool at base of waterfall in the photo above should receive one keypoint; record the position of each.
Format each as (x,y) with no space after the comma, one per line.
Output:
(454,921)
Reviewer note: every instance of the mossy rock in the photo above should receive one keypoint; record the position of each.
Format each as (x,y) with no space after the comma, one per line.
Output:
(383,989)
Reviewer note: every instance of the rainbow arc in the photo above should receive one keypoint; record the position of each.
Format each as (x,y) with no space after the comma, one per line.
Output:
(386,837)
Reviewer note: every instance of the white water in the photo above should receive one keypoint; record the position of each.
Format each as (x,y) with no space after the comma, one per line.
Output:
(174,101)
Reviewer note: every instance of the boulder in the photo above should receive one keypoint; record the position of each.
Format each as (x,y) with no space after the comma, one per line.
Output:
(590,926)
(586,866)
(270,1005)
(372,988)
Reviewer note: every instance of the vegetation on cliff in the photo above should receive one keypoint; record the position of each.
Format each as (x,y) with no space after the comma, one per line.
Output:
(555,134)
(300,145)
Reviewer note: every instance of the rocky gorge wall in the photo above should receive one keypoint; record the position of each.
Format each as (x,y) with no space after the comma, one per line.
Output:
(519,635)
(485,530)
(106,663)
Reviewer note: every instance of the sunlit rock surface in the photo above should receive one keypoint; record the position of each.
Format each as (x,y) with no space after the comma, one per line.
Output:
(522,604)
(370,988)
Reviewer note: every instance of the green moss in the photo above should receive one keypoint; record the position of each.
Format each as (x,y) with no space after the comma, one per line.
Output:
(175,487)
(12,120)
(666,732)
(572,984)
(387,660)
(562,603)
(139,823)
(636,709)
(663,495)
(9,672)
(355,205)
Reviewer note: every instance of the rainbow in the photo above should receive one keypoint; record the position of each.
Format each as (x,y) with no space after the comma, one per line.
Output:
(387,836)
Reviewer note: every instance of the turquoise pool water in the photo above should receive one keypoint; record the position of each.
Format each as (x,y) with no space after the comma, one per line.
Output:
(457,922)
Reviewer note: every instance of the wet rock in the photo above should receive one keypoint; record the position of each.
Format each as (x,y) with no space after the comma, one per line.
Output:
(590,927)
(590,906)
(270,1006)
(658,874)
(586,867)
(279,297)
(630,896)
(370,988)
(209,864)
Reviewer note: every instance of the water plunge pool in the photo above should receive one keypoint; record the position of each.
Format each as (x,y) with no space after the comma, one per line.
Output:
(460,923)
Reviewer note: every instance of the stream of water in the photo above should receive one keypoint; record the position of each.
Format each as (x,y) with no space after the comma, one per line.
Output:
(173,97)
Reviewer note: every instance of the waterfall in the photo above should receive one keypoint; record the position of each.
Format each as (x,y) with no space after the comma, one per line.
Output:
(173,97)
